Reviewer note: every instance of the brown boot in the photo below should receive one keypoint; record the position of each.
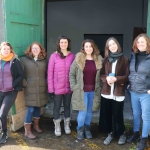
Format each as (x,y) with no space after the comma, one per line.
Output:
(36,125)
(28,132)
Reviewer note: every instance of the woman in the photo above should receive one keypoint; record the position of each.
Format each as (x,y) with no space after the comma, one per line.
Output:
(85,84)
(58,82)
(11,76)
(139,87)
(34,65)
(114,75)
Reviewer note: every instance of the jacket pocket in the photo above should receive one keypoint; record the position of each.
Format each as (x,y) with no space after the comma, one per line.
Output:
(75,87)
(147,79)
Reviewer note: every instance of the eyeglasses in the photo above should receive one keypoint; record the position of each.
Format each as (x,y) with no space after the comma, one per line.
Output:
(35,48)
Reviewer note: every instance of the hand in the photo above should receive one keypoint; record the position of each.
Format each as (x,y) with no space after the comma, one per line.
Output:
(148,91)
(111,79)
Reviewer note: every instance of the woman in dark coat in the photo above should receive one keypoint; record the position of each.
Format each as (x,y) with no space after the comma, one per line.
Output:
(114,75)
(11,76)
(34,65)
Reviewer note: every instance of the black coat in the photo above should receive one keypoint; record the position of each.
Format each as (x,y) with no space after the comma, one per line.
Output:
(17,74)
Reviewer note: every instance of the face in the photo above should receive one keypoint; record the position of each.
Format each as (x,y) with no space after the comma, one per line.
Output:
(5,51)
(63,44)
(35,49)
(141,44)
(112,46)
(88,48)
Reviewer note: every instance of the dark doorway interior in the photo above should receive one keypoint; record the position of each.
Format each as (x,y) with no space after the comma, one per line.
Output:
(100,40)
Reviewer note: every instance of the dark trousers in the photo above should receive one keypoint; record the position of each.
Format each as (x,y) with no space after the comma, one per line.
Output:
(7,99)
(57,104)
(111,116)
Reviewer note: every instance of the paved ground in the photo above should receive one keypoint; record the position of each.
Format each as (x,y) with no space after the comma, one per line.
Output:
(48,141)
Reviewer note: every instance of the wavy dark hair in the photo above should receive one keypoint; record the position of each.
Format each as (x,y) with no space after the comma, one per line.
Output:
(96,51)
(58,45)
(107,46)
(42,53)
(134,47)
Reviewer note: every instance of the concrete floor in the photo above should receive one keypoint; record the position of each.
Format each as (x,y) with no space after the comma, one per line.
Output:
(48,141)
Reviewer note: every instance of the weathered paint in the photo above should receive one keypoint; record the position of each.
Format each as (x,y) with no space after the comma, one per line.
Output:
(148,19)
(24,23)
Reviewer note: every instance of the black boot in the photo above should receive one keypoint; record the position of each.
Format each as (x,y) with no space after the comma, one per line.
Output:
(134,137)
(3,138)
(88,134)
(80,133)
(142,144)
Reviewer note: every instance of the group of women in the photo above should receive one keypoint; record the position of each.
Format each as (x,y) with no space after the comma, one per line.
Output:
(81,80)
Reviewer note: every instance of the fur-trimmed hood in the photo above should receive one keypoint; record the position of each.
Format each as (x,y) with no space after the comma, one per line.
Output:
(81,57)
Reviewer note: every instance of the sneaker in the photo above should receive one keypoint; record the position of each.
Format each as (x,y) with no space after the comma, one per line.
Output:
(108,139)
(3,138)
(122,139)
(142,144)
(134,137)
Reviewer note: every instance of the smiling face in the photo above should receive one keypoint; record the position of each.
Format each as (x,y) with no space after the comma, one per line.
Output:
(141,44)
(88,48)
(63,44)
(5,50)
(112,46)
(35,49)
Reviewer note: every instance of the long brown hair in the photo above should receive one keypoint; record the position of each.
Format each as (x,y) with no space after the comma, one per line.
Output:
(8,44)
(134,47)
(96,51)
(107,46)
(42,53)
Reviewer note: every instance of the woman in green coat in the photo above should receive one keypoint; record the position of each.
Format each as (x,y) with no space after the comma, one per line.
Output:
(85,84)
(34,65)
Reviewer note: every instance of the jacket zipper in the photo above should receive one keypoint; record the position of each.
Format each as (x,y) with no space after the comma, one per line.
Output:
(65,74)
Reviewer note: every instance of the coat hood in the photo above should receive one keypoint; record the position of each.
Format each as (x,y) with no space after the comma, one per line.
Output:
(81,58)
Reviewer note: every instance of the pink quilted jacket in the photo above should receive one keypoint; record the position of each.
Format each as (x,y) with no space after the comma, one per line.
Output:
(58,73)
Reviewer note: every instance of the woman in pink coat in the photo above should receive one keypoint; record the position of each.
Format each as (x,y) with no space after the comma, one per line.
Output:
(58,82)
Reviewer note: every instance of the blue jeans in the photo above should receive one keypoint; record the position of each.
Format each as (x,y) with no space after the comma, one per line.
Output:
(32,112)
(141,105)
(85,116)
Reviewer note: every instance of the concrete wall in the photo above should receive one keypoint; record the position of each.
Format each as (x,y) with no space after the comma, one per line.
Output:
(76,18)
(2,27)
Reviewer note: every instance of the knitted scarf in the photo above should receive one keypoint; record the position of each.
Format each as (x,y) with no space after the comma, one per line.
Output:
(114,56)
(7,58)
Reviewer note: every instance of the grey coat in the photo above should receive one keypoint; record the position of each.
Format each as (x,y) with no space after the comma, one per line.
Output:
(139,81)
(76,82)
(35,90)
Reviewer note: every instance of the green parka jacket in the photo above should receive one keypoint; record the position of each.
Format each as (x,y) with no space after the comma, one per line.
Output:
(35,86)
(76,82)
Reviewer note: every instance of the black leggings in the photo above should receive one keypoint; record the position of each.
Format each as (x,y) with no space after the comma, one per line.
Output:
(112,114)
(7,99)
(57,104)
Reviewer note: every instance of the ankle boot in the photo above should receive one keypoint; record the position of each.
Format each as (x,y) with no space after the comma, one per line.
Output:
(67,125)
(80,133)
(142,144)
(28,132)
(3,138)
(36,125)
(134,137)
(88,134)
(57,127)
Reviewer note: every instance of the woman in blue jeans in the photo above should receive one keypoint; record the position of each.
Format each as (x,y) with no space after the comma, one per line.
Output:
(139,87)
(35,88)
(85,84)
